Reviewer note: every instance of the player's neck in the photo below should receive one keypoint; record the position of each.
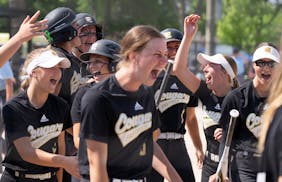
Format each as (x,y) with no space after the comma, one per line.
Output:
(37,99)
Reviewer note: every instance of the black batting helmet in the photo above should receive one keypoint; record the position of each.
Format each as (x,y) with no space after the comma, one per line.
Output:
(104,47)
(60,27)
(172,34)
(85,19)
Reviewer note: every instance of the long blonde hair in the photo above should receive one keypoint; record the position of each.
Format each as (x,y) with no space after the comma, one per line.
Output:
(274,101)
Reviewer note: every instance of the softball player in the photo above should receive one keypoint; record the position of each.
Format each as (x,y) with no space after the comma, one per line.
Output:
(34,119)
(119,114)
(175,107)
(220,74)
(101,59)
(88,32)
(249,100)
(270,138)
(63,37)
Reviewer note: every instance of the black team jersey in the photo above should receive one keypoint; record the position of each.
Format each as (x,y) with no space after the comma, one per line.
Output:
(73,77)
(172,107)
(271,162)
(42,126)
(250,106)
(76,118)
(125,121)
(211,107)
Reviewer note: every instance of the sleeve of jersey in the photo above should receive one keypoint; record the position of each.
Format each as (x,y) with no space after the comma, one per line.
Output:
(15,126)
(76,105)
(193,102)
(202,91)
(95,114)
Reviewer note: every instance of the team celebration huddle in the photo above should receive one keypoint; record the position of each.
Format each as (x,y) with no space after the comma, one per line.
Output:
(92,109)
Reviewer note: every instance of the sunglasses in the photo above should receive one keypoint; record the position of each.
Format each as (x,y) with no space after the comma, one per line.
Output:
(262,63)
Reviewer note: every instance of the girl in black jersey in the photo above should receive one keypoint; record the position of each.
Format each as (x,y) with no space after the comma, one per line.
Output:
(62,34)
(177,110)
(34,119)
(249,99)
(220,74)
(119,114)
(101,59)
(270,138)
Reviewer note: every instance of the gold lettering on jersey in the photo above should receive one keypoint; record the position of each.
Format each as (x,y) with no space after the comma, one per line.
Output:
(143,150)
(76,81)
(129,128)
(170,99)
(210,118)
(54,148)
(253,123)
(42,135)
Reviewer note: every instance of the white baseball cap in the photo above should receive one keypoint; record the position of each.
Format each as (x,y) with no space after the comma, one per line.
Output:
(268,52)
(48,59)
(217,59)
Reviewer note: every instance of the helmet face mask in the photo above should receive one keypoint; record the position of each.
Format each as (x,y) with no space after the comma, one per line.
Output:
(107,48)
(60,27)
(84,19)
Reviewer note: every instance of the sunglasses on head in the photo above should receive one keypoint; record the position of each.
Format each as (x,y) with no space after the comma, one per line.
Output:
(262,63)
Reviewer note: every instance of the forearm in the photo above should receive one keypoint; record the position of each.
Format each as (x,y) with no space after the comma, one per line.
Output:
(9,49)
(193,128)
(9,89)
(42,158)
(162,165)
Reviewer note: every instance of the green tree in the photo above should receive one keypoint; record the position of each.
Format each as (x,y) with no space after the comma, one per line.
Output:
(245,24)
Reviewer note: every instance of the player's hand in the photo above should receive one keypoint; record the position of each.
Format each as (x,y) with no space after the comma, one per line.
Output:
(191,25)
(30,27)
(218,134)
(71,166)
(212,178)
(200,158)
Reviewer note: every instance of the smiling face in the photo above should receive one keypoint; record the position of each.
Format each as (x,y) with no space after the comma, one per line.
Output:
(46,79)
(151,60)
(87,36)
(98,67)
(172,48)
(263,71)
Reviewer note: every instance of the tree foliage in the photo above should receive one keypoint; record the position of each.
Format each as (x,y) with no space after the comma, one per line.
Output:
(245,24)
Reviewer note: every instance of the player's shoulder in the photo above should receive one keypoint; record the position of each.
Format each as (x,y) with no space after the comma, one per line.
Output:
(57,99)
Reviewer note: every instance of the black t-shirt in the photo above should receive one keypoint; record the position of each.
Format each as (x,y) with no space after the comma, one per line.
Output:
(271,161)
(73,77)
(172,107)
(42,126)
(76,118)
(250,106)
(211,107)
(125,121)
(76,104)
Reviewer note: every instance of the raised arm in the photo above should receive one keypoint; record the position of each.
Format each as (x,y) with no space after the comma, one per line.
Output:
(29,28)
(180,65)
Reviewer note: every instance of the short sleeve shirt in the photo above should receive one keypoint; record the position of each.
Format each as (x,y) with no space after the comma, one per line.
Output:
(125,121)
(42,126)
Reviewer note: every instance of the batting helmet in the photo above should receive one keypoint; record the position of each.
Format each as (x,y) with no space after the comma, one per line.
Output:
(60,27)
(85,19)
(107,48)
(172,34)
